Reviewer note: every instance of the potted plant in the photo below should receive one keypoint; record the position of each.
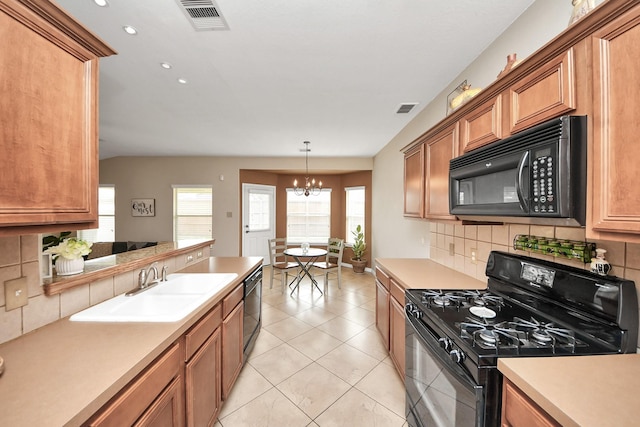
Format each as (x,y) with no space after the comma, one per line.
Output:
(69,254)
(358,249)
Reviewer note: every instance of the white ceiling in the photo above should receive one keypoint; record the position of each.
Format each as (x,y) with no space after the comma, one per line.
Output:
(333,72)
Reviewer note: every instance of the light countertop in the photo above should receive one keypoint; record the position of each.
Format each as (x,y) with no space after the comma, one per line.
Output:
(62,373)
(585,391)
(422,273)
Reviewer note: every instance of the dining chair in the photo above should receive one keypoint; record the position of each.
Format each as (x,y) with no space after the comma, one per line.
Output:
(279,261)
(333,260)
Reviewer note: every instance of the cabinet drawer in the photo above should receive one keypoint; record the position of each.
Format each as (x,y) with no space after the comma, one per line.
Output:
(382,277)
(134,399)
(518,410)
(199,333)
(397,291)
(229,303)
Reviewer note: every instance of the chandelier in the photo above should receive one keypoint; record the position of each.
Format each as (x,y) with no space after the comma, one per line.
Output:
(309,185)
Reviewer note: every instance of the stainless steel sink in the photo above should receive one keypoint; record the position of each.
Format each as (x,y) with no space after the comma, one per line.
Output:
(168,301)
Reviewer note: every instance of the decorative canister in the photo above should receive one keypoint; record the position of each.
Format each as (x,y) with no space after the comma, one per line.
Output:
(599,264)
(67,267)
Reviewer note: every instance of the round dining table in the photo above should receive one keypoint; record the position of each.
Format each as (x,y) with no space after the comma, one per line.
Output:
(305,259)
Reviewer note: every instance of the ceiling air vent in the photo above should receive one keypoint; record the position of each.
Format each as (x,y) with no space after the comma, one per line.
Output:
(203,14)
(405,108)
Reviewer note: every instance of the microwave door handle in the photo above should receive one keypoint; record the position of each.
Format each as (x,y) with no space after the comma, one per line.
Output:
(524,201)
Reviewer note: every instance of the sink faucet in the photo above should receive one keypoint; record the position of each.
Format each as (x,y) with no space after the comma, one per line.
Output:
(144,276)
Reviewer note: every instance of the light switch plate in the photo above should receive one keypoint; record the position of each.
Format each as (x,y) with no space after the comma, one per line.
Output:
(15,293)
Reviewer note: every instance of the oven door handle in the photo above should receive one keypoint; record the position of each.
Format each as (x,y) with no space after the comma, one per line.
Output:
(431,341)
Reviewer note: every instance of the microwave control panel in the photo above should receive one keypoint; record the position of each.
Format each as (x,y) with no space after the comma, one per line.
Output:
(543,180)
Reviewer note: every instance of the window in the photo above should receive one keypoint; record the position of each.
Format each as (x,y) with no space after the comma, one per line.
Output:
(106,231)
(192,210)
(354,211)
(308,218)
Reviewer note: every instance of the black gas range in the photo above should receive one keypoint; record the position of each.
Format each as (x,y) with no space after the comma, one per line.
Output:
(531,308)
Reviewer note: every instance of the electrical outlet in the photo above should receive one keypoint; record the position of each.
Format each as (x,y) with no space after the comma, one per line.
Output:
(452,249)
(474,259)
(15,293)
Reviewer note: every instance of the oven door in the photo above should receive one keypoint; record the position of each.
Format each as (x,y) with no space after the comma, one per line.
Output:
(439,391)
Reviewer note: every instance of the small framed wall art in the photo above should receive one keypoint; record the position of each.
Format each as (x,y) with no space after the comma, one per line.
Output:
(143,207)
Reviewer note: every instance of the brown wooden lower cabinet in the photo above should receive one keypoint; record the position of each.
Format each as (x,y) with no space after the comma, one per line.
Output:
(397,335)
(382,313)
(231,348)
(518,410)
(145,401)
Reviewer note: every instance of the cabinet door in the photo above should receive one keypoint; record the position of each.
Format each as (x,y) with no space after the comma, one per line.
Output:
(481,126)
(166,411)
(613,162)
(438,151)
(397,335)
(519,411)
(48,119)
(414,183)
(544,94)
(203,383)
(382,312)
(231,348)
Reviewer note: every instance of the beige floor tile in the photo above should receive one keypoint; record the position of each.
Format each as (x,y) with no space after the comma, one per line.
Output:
(357,409)
(293,306)
(316,316)
(355,298)
(314,344)
(272,315)
(279,363)
(370,343)
(288,328)
(369,305)
(313,389)
(271,409)
(338,306)
(249,385)
(348,363)
(360,316)
(383,384)
(341,328)
(265,342)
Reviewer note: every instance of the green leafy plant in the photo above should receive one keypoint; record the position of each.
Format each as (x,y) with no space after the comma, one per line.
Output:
(71,248)
(359,245)
(54,240)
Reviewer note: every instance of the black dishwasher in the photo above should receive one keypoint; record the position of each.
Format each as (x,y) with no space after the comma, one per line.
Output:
(252,310)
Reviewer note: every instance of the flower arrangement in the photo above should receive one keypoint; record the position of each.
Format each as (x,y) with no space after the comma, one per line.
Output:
(71,248)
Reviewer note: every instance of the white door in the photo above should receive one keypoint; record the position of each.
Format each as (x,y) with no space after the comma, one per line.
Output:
(258,219)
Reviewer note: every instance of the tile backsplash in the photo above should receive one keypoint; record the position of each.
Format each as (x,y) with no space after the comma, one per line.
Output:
(19,257)
(465,248)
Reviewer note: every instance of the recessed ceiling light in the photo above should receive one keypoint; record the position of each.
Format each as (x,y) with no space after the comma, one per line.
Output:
(165,65)
(182,81)
(130,30)
(101,3)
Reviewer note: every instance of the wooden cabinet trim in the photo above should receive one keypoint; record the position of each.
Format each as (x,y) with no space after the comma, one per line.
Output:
(199,333)
(231,300)
(382,313)
(518,410)
(397,336)
(382,277)
(414,183)
(131,403)
(397,291)
(549,92)
(168,408)
(482,125)
(203,383)
(232,347)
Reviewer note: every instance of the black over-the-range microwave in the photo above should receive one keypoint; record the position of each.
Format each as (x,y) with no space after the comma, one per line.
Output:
(537,176)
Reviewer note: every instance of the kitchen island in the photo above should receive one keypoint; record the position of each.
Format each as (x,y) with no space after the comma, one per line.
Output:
(64,372)
(585,391)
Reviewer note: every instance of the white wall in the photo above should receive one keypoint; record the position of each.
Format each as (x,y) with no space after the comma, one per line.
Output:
(152,178)
(397,236)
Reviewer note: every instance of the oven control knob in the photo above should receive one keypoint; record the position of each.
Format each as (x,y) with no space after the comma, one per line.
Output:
(457,355)
(414,311)
(445,343)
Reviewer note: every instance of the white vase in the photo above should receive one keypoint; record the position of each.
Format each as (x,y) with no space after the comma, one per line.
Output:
(66,267)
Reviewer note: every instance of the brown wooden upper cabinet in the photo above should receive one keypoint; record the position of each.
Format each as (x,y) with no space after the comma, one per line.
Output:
(438,150)
(613,159)
(543,94)
(481,126)
(414,182)
(48,119)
